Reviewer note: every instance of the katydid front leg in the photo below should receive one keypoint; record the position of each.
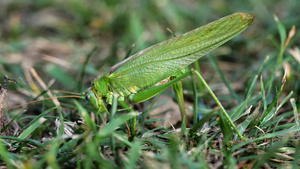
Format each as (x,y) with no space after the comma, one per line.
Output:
(132,123)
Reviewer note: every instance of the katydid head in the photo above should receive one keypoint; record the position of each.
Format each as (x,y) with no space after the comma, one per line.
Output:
(91,97)
(95,100)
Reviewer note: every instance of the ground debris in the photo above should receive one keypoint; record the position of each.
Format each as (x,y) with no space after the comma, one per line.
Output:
(5,120)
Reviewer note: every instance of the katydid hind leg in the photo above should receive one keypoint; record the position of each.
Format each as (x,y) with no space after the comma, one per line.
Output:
(219,104)
(151,92)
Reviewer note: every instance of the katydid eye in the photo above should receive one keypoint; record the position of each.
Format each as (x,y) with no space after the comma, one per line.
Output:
(87,97)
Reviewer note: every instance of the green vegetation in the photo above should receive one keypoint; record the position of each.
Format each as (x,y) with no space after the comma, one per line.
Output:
(48,47)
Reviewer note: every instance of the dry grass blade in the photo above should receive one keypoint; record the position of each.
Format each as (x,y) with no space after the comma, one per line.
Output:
(291,35)
(295,53)
(57,61)
(43,85)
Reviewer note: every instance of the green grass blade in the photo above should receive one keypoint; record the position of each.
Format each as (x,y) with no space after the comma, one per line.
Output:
(173,152)
(39,116)
(32,127)
(282,33)
(296,155)
(252,86)
(269,153)
(61,75)
(202,146)
(267,136)
(262,65)
(271,106)
(263,93)
(89,55)
(5,155)
(221,74)
(90,123)
(51,155)
(134,155)
(195,94)
(295,111)
(243,126)
(198,125)
(225,128)
(114,123)
(11,121)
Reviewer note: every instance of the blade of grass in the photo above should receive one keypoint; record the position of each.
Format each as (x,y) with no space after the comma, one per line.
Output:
(267,136)
(221,74)
(271,106)
(123,138)
(89,122)
(173,153)
(114,123)
(5,155)
(262,65)
(243,126)
(61,75)
(266,118)
(296,155)
(225,129)
(269,153)
(202,146)
(239,110)
(197,126)
(282,34)
(133,155)
(39,116)
(32,127)
(183,127)
(11,121)
(88,56)
(252,86)
(51,155)
(295,111)
(195,102)
(263,94)
(31,141)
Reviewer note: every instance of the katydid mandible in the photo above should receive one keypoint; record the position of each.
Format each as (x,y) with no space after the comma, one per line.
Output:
(144,74)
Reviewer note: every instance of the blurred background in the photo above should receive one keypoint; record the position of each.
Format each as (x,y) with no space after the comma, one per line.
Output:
(56,36)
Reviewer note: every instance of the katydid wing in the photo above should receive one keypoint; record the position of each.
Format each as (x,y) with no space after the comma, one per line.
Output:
(148,67)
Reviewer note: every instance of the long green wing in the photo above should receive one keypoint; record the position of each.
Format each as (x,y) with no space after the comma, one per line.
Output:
(163,60)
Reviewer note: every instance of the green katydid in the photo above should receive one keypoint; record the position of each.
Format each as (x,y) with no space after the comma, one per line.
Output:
(144,74)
